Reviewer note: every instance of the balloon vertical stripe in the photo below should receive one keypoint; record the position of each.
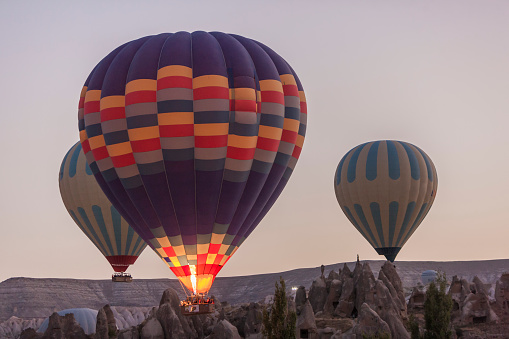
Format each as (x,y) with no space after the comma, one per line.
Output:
(408,214)
(364,222)
(371,163)
(99,219)
(393,160)
(375,213)
(352,164)
(393,215)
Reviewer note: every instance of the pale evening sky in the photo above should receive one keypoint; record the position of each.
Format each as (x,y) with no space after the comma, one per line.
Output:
(432,73)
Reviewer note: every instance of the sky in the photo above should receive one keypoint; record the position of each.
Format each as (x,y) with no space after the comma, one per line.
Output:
(432,73)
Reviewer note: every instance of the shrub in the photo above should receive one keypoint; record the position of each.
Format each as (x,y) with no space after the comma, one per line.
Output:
(279,322)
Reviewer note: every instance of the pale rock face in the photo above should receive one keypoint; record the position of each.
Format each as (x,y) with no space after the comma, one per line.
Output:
(471,302)
(389,270)
(127,317)
(130,333)
(417,299)
(224,330)
(476,307)
(306,319)
(152,329)
(106,327)
(345,272)
(333,298)
(346,303)
(389,310)
(253,324)
(175,325)
(300,299)
(369,323)
(364,285)
(318,294)
(333,275)
(502,296)
(12,327)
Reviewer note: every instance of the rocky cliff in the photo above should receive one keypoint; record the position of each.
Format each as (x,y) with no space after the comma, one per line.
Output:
(37,298)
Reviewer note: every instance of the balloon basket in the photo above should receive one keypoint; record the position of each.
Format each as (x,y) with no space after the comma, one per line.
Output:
(121,277)
(195,304)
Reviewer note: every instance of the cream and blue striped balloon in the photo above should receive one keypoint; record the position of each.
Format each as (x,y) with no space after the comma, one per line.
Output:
(386,188)
(93,213)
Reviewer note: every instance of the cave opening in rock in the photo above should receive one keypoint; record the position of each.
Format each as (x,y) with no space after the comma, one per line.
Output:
(304,333)
(335,304)
(355,313)
(479,320)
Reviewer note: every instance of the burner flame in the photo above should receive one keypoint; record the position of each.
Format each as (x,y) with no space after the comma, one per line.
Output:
(193,277)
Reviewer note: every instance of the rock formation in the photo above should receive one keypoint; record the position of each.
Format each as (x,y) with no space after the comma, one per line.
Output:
(502,297)
(340,304)
(471,303)
(63,327)
(369,323)
(224,330)
(12,327)
(152,329)
(417,298)
(342,295)
(174,324)
(306,324)
(248,319)
(106,327)
(318,294)
(337,299)
(300,299)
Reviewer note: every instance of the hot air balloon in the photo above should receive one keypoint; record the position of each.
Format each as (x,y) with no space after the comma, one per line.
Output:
(193,136)
(386,188)
(95,216)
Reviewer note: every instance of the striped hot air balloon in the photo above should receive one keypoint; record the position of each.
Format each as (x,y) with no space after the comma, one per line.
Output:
(193,136)
(386,188)
(93,213)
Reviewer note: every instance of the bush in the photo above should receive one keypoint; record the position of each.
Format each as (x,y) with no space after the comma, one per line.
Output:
(413,326)
(437,310)
(279,322)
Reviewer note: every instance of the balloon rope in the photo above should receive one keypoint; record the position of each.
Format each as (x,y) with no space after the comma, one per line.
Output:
(184,288)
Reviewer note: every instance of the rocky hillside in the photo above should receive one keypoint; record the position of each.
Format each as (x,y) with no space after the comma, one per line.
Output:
(37,298)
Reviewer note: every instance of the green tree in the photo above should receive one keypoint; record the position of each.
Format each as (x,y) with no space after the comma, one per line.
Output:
(279,322)
(413,326)
(437,310)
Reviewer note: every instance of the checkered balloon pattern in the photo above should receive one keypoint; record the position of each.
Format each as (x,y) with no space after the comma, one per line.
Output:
(193,136)
(93,213)
(386,188)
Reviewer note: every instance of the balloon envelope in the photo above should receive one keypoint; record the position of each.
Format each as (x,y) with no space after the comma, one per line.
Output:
(93,213)
(386,188)
(428,276)
(193,136)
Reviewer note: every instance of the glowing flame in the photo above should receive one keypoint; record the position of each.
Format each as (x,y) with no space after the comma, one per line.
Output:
(193,277)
